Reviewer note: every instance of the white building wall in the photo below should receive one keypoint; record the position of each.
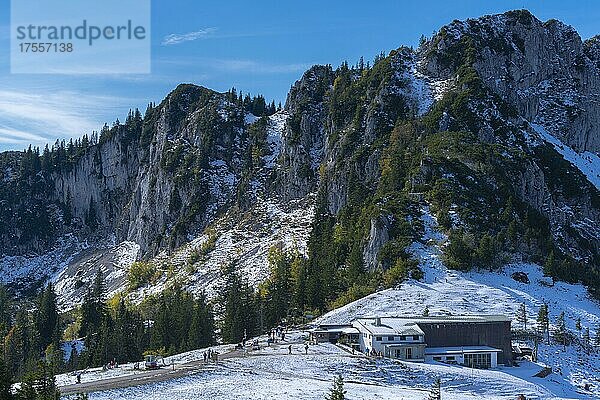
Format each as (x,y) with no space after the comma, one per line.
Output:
(368,342)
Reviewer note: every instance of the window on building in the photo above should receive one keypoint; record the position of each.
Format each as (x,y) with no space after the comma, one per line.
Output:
(408,353)
(415,337)
(390,338)
(478,360)
(450,358)
(402,337)
(378,338)
(437,358)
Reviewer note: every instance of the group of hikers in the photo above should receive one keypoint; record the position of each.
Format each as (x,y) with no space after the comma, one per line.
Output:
(276,334)
(210,355)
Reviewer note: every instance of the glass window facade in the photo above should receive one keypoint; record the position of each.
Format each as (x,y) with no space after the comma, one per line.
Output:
(483,360)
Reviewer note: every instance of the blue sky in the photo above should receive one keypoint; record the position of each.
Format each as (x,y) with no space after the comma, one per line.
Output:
(257,47)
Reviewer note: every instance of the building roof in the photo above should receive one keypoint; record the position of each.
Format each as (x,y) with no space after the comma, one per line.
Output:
(460,350)
(463,319)
(437,319)
(346,329)
(410,325)
(340,329)
(390,326)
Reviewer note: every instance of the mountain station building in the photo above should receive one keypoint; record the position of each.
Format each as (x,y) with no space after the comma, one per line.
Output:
(479,341)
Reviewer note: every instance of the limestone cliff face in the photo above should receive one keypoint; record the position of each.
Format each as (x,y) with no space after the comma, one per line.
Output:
(157,190)
(542,72)
(304,137)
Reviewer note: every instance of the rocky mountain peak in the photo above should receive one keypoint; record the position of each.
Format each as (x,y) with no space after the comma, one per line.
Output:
(542,69)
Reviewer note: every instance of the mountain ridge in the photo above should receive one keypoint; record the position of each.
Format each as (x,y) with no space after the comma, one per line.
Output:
(450,123)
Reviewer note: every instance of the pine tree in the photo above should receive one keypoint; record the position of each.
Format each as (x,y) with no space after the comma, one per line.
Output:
(240,313)
(550,264)
(46,317)
(543,320)
(337,392)
(585,339)
(202,327)
(486,251)
(597,337)
(426,311)
(436,390)
(522,315)
(19,346)
(93,309)
(5,310)
(126,331)
(5,381)
(560,331)
(458,255)
(298,276)
(94,323)
(39,384)
(276,291)
(578,324)
(160,336)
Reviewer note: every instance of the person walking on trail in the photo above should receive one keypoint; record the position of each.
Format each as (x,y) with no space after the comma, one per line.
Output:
(306,348)
(290,349)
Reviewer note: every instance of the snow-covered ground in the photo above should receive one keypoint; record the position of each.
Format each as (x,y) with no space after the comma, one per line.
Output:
(275,128)
(127,369)
(70,263)
(272,373)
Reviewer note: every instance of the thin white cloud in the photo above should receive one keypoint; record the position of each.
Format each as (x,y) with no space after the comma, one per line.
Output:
(37,119)
(15,136)
(176,38)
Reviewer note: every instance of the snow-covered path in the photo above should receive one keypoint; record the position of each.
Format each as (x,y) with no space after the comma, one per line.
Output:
(272,373)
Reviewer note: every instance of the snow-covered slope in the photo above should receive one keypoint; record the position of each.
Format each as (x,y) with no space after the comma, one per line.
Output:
(243,240)
(69,265)
(272,373)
